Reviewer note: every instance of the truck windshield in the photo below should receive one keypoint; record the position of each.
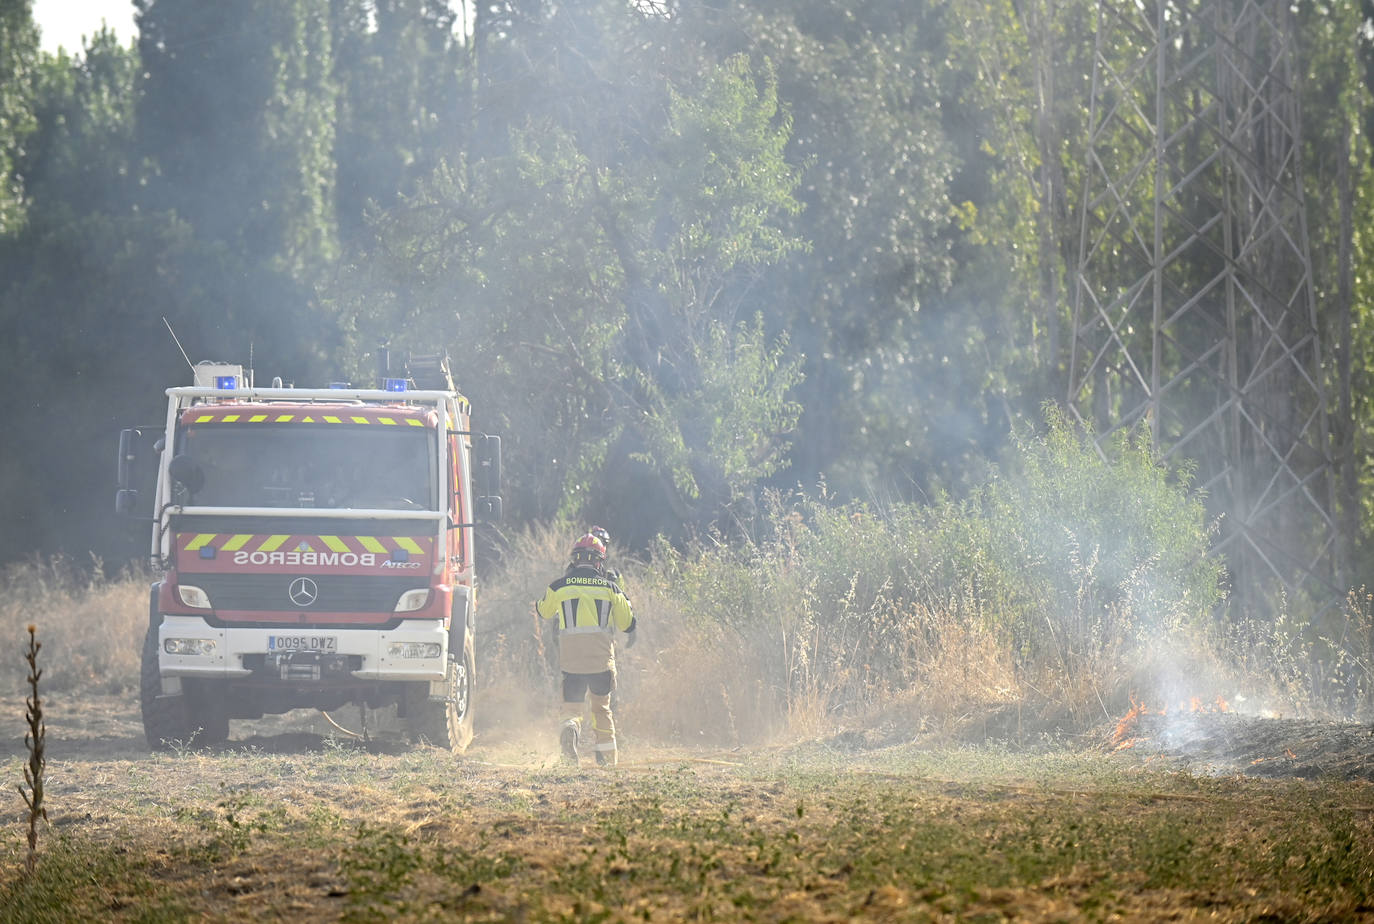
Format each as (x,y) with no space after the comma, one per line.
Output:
(300,465)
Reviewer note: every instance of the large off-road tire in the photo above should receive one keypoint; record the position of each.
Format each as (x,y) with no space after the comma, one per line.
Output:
(166,720)
(445,724)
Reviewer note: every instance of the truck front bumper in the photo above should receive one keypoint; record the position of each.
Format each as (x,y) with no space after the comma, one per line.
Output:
(188,646)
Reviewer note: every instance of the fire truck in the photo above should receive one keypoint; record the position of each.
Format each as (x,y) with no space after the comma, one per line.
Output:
(313,548)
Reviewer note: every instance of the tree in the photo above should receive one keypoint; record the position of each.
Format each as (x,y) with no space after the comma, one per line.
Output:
(592,272)
(404,75)
(920,203)
(235,125)
(18,56)
(1338,102)
(83,288)
(80,158)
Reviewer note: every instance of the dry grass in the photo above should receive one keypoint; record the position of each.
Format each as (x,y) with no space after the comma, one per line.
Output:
(91,627)
(517,662)
(774,669)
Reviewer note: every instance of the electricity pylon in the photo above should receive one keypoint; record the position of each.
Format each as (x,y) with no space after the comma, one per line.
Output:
(1194,312)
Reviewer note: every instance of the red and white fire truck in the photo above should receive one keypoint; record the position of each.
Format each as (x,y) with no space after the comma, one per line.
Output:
(314,548)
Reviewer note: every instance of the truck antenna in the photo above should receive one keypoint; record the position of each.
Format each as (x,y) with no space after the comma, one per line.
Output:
(178,343)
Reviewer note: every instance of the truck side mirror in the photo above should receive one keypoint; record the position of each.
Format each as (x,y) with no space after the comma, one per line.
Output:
(126,502)
(488,502)
(126,470)
(489,507)
(489,463)
(128,458)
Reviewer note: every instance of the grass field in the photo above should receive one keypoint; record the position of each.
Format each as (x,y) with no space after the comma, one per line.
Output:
(295,824)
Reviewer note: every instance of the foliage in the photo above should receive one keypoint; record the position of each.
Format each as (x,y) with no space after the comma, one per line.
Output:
(79,160)
(681,254)
(18,59)
(708,435)
(1069,573)
(865,303)
(594,274)
(1134,534)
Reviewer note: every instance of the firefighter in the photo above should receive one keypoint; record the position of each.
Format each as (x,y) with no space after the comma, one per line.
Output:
(588,608)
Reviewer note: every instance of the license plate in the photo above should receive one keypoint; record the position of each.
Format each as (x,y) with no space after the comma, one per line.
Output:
(326,643)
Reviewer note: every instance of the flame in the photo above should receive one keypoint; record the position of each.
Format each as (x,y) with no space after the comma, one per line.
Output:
(1218,705)
(1124,736)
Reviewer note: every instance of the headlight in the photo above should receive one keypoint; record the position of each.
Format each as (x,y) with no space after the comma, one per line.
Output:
(410,601)
(189,646)
(193,596)
(414,649)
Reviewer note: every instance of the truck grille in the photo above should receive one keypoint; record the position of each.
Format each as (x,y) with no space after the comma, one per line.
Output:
(270,592)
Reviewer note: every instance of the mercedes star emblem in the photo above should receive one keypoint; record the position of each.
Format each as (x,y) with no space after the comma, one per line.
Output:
(303,591)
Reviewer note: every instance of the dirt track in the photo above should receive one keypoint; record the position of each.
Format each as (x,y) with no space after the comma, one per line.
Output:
(108,727)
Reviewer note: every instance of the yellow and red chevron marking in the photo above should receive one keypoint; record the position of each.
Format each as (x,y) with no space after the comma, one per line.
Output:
(385,417)
(251,542)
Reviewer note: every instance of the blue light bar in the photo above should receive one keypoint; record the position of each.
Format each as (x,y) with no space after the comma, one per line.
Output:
(230,382)
(394,384)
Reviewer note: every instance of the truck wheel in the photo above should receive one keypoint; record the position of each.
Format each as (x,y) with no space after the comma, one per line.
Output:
(446,724)
(166,721)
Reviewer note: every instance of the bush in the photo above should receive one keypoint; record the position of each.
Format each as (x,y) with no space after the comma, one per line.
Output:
(1114,547)
(1053,584)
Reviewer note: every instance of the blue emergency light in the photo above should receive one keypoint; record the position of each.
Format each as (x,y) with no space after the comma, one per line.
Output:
(394,384)
(227,382)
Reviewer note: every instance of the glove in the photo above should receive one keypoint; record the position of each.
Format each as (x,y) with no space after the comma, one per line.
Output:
(630,638)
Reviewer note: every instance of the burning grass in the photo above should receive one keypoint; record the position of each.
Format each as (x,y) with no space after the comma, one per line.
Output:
(1128,731)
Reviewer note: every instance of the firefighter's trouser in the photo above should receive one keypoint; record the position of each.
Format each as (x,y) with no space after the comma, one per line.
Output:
(577,690)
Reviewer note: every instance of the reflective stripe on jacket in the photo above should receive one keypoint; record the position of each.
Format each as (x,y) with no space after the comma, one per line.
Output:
(587,608)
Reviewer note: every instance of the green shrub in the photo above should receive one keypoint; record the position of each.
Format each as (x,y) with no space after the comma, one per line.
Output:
(1095,550)
(1061,576)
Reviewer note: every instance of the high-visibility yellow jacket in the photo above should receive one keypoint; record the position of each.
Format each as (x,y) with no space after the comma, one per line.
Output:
(587,608)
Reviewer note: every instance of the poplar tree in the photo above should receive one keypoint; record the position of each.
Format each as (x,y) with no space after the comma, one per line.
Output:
(18,55)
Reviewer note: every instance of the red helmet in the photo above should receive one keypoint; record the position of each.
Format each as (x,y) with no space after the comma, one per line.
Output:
(589,550)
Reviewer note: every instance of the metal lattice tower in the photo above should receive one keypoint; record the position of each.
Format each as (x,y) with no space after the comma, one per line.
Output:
(1194,312)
